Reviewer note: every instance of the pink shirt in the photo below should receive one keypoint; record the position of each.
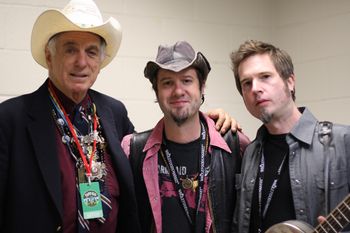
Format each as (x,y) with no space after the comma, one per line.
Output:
(150,166)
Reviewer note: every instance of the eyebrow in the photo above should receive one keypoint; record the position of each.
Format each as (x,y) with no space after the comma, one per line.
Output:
(69,43)
(72,43)
(265,73)
(262,73)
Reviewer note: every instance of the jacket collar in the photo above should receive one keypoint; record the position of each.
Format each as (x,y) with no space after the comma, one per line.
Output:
(215,139)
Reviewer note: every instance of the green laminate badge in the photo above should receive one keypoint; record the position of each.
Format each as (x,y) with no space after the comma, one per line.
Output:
(91,200)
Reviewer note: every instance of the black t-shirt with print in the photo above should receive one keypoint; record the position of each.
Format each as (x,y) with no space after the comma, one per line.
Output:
(185,158)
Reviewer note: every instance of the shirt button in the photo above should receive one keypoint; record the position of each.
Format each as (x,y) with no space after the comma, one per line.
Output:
(247,209)
(252,180)
(301,211)
(58,228)
(297,181)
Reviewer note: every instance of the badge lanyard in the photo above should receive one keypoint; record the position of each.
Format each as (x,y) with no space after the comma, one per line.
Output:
(90,193)
(262,212)
(92,205)
(170,165)
(58,105)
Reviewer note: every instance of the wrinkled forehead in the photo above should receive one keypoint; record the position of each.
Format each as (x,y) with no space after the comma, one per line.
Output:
(77,37)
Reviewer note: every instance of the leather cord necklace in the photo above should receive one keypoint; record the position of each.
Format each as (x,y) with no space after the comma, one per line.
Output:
(167,157)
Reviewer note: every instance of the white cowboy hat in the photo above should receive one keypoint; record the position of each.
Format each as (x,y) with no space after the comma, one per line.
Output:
(78,15)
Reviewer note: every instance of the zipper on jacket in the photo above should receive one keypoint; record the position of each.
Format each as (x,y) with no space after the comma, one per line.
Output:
(211,212)
(153,227)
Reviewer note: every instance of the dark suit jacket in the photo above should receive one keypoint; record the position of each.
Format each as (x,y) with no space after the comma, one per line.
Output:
(30,184)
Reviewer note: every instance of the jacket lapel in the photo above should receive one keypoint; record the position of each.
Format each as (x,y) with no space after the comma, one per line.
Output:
(42,133)
(119,159)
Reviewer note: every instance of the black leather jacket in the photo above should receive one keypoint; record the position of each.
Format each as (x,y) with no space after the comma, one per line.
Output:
(222,180)
(222,186)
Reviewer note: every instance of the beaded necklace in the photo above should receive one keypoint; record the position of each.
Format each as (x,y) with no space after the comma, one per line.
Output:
(87,150)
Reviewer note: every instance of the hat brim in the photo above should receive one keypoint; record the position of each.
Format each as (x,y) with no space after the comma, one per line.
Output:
(199,62)
(53,21)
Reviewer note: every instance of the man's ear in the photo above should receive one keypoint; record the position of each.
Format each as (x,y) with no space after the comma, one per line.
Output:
(291,83)
(202,93)
(47,56)
(203,88)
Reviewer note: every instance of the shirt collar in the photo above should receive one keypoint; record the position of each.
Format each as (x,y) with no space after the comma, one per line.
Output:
(70,106)
(305,127)
(215,138)
(302,131)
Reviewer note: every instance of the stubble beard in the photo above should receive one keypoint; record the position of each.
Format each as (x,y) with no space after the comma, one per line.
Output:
(181,116)
(266,116)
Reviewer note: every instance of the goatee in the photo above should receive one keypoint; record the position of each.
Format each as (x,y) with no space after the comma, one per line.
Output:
(179,120)
(265,117)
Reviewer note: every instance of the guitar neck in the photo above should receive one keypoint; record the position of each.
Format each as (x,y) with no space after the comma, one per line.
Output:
(337,219)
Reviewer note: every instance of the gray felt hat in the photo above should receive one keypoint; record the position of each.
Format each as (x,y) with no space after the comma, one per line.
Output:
(177,57)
